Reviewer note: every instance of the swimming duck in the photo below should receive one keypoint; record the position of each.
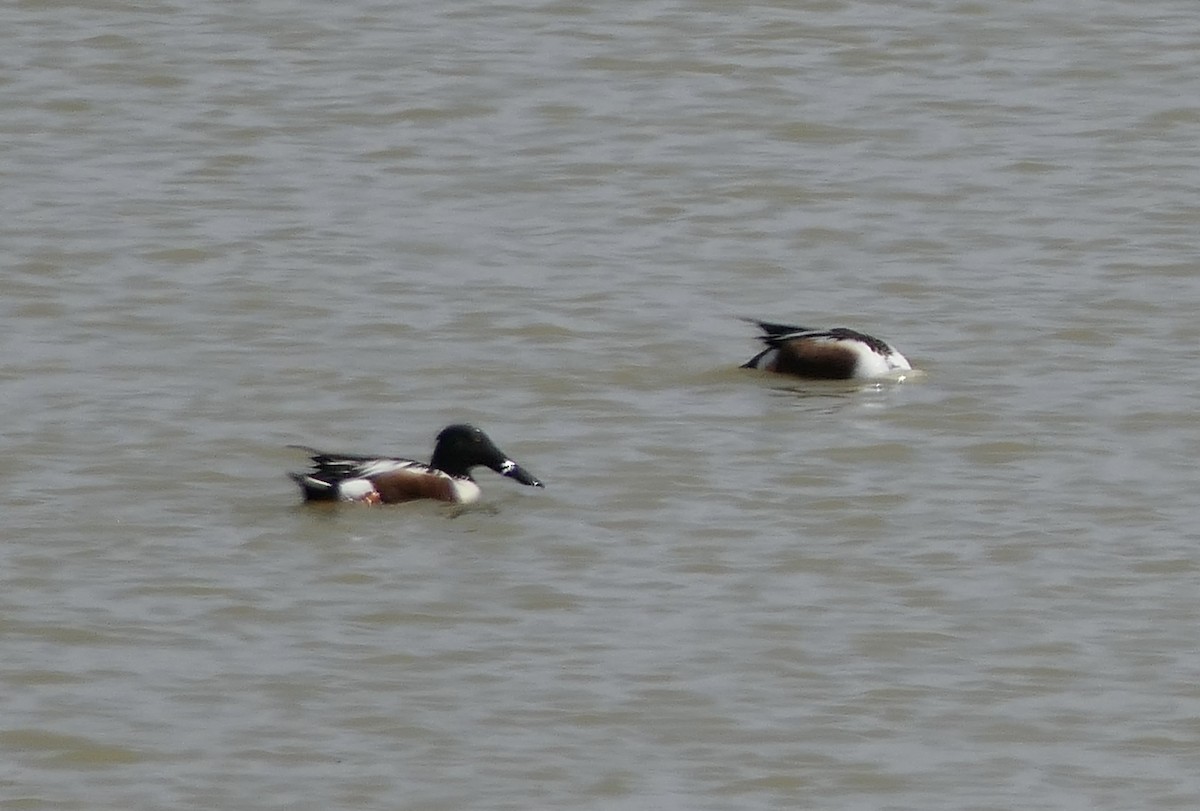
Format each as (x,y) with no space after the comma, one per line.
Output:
(390,480)
(830,354)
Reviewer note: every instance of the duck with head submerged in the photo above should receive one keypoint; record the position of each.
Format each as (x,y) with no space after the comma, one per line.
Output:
(391,480)
(824,354)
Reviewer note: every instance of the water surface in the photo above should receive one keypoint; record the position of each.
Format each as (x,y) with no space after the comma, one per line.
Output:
(228,229)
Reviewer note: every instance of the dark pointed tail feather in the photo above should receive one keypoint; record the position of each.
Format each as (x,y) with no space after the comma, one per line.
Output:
(773,329)
(314,489)
(753,362)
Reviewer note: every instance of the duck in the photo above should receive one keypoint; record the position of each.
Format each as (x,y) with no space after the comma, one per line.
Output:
(824,354)
(344,477)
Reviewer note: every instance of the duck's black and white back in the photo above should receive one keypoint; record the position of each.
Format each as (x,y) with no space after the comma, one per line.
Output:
(379,480)
(827,354)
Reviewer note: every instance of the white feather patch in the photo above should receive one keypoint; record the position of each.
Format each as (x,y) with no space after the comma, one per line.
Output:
(871,363)
(379,466)
(466,491)
(767,359)
(355,489)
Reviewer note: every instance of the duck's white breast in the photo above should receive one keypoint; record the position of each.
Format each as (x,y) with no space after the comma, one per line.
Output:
(873,364)
(466,491)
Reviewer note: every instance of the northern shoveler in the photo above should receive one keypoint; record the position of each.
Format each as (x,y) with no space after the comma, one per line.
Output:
(830,354)
(388,480)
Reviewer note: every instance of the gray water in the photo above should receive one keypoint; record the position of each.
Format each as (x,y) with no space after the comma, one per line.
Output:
(230,227)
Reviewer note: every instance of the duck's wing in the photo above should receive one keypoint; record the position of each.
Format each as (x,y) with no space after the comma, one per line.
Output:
(334,466)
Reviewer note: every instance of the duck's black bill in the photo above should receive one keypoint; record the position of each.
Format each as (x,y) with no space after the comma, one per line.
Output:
(512,470)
